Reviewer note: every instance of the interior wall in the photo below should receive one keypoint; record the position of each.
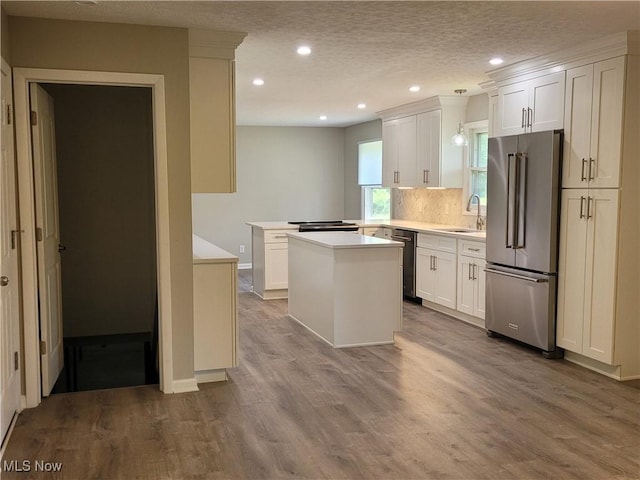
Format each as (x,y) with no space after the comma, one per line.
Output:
(352,137)
(477,108)
(105,164)
(70,45)
(4,36)
(283,173)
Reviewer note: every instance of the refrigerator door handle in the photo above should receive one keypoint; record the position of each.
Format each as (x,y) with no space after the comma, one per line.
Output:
(519,277)
(512,180)
(520,233)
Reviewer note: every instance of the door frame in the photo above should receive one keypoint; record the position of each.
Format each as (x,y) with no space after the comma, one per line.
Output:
(26,200)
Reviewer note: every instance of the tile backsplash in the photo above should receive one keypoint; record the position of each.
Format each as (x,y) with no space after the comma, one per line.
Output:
(431,206)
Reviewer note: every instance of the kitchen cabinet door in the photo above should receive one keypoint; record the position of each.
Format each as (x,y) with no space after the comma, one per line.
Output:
(436,274)
(446,284)
(471,286)
(426,276)
(429,151)
(606,123)
(276,271)
(213,129)
(532,105)
(466,285)
(399,152)
(600,278)
(594,105)
(587,272)
(513,101)
(546,101)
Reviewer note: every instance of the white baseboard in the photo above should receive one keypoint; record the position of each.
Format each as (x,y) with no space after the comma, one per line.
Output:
(245,266)
(185,385)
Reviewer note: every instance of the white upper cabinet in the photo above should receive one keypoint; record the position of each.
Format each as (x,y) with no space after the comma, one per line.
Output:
(212,110)
(594,110)
(416,144)
(531,105)
(399,152)
(428,148)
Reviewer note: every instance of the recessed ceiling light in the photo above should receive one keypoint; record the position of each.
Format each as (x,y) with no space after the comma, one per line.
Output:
(414,88)
(496,61)
(362,105)
(258,81)
(323,117)
(304,50)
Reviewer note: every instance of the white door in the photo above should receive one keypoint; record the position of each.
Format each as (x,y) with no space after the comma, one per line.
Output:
(389,153)
(426,277)
(407,151)
(48,236)
(466,285)
(9,308)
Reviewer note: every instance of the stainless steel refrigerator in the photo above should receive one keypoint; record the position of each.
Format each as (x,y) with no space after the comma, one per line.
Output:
(523,192)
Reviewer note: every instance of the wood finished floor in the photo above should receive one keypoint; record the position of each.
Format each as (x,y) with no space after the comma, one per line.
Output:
(444,402)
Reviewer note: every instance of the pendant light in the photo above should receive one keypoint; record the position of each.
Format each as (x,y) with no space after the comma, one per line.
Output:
(460,139)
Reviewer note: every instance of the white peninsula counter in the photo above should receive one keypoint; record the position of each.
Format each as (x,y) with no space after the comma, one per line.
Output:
(346,288)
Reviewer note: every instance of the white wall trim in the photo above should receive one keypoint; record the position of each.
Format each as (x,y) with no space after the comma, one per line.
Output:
(22,78)
(185,385)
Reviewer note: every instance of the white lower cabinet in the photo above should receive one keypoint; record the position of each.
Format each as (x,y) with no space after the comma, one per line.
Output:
(436,276)
(471,279)
(276,265)
(270,262)
(587,273)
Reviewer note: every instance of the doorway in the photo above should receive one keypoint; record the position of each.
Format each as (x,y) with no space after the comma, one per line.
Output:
(105,184)
(23,77)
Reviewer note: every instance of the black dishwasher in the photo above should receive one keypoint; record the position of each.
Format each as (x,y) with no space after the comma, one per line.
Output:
(408,262)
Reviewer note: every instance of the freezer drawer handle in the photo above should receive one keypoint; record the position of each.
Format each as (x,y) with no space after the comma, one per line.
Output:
(519,277)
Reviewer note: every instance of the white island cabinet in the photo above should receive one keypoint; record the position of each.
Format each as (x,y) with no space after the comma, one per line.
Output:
(346,288)
(215,328)
(269,247)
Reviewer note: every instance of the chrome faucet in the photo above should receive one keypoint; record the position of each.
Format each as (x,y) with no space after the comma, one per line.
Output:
(479,219)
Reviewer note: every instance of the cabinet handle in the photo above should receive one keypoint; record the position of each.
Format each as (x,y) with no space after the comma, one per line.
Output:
(592,161)
(581,207)
(427,176)
(529,117)
(473,249)
(279,236)
(523,121)
(469,274)
(589,215)
(582,175)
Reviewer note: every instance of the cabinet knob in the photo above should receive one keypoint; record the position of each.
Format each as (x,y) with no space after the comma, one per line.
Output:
(4,281)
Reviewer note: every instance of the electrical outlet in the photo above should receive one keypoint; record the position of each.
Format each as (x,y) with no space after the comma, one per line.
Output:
(241,248)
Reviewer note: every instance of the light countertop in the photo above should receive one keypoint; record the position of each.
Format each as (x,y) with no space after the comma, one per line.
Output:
(344,240)
(205,252)
(432,228)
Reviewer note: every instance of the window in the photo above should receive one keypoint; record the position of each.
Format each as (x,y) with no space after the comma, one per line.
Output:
(476,165)
(376,200)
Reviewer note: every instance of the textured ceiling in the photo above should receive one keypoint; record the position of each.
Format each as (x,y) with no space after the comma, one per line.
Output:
(368,52)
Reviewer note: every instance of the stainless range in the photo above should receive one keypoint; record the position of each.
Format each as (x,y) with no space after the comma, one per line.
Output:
(326,226)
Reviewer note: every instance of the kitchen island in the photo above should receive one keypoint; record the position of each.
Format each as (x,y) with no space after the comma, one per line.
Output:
(346,288)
